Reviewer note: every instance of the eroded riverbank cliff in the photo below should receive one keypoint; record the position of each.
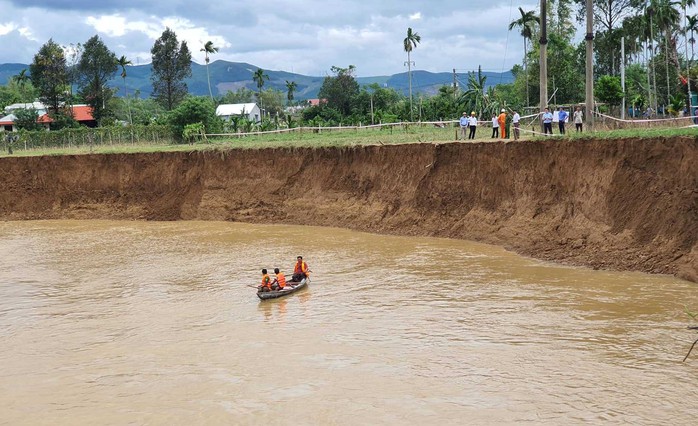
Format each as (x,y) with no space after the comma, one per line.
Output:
(615,204)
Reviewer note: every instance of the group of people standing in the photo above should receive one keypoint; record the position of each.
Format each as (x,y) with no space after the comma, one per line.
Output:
(468,124)
(300,271)
(560,116)
(499,129)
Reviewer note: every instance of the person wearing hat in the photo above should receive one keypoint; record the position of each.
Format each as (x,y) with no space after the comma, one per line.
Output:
(463,125)
(502,124)
(472,121)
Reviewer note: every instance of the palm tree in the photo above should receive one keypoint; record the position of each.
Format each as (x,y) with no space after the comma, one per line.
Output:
(291,87)
(259,76)
(122,62)
(21,79)
(667,17)
(692,26)
(526,22)
(209,48)
(686,4)
(409,43)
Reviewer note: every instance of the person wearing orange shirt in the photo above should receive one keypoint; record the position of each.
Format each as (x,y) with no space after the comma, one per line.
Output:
(300,270)
(266,282)
(279,282)
(502,124)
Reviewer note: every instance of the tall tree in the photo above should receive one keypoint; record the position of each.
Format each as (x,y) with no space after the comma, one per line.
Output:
(527,23)
(171,65)
(123,62)
(209,49)
(410,42)
(258,77)
(340,90)
(21,79)
(97,66)
(290,89)
(49,74)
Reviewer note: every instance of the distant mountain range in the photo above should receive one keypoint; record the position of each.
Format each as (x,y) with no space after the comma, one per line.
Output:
(231,76)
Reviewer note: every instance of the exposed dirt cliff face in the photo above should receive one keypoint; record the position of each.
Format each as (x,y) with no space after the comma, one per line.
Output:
(617,204)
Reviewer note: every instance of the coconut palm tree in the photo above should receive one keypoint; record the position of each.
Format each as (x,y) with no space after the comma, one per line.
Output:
(122,62)
(667,18)
(692,26)
(21,79)
(258,77)
(526,22)
(291,87)
(209,49)
(410,42)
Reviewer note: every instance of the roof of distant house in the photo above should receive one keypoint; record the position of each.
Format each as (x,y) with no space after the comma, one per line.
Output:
(8,120)
(82,113)
(235,109)
(36,105)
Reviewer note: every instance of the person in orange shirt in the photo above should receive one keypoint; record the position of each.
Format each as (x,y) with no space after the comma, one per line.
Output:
(502,124)
(300,270)
(266,282)
(279,282)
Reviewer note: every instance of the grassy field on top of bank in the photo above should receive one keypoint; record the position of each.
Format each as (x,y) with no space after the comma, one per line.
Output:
(338,138)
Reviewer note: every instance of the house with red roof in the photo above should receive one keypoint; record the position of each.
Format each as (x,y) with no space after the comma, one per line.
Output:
(81,113)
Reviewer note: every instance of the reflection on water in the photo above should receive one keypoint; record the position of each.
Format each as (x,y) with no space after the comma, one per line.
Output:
(129,322)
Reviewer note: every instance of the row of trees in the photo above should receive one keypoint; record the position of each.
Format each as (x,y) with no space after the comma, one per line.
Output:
(659,71)
(655,73)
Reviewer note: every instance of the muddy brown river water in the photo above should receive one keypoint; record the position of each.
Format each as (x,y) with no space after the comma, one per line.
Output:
(153,323)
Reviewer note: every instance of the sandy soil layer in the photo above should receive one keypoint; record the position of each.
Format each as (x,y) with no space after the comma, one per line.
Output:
(615,204)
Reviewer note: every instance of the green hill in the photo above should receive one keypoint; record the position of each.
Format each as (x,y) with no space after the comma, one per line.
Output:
(231,76)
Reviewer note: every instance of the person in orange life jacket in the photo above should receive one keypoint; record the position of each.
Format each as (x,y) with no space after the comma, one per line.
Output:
(266,282)
(300,270)
(280,281)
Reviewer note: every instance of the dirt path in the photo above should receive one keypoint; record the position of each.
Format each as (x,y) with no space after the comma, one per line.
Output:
(613,204)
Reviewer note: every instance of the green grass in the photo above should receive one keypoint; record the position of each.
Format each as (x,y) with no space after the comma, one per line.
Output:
(338,138)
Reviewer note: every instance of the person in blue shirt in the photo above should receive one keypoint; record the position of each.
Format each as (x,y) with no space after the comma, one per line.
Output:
(463,125)
(547,122)
(562,115)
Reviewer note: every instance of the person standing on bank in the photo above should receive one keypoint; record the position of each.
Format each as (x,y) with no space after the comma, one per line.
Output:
(503,123)
(547,122)
(562,116)
(515,121)
(463,125)
(495,126)
(472,121)
(578,119)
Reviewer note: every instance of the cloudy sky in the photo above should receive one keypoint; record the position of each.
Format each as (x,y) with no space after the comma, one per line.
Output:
(302,36)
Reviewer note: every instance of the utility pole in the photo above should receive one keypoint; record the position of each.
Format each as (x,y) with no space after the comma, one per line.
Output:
(409,64)
(543,98)
(622,75)
(590,65)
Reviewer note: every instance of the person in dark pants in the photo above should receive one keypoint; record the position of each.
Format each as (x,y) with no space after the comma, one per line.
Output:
(472,121)
(562,115)
(547,122)
(578,119)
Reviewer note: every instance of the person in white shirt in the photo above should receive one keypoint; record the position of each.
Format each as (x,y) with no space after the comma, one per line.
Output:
(556,119)
(472,121)
(495,126)
(515,121)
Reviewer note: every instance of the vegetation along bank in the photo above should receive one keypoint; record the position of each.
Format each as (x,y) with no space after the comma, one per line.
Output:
(629,204)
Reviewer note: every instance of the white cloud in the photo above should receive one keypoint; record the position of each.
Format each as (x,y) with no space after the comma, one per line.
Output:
(7,28)
(416,17)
